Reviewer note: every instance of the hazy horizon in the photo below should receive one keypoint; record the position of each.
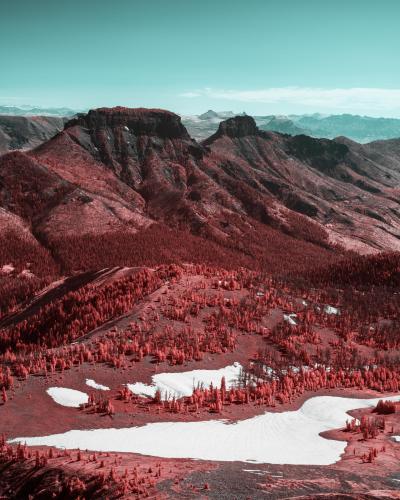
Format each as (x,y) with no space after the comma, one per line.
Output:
(218,111)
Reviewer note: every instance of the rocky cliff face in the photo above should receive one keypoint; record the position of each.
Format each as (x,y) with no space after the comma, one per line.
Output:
(140,121)
(346,188)
(236,127)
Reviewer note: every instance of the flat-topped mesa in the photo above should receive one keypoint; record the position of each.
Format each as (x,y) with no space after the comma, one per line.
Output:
(139,121)
(236,127)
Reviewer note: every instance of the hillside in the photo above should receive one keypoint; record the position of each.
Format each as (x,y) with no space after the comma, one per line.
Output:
(27,132)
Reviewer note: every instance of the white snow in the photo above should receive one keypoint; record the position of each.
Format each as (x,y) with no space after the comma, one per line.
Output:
(397,438)
(67,397)
(291,437)
(331,310)
(91,383)
(181,384)
(257,472)
(290,318)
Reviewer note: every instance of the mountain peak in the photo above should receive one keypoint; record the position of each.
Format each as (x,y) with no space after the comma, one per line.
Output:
(238,126)
(209,114)
(139,121)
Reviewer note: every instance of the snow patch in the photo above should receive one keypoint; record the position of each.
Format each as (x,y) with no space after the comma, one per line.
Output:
(91,383)
(67,397)
(290,318)
(290,437)
(331,310)
(181,384)
(257,472)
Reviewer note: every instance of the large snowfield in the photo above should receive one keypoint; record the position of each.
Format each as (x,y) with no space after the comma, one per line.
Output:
(181,384)
(291,437)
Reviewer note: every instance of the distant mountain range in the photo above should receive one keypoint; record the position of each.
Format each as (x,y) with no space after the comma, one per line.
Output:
(25,127)
(362,129)
(35,111)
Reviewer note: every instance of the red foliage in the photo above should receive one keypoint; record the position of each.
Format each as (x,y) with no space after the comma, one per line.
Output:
(360,272)
(154,246)
(385,407)
(63,475)
(29,189)
(24,254)
(78,312)
(304,228)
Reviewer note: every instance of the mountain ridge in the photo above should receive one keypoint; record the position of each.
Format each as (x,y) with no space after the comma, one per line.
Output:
(362,129)
(124,171)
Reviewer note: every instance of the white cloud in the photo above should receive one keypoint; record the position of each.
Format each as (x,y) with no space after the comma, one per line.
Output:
(339,99)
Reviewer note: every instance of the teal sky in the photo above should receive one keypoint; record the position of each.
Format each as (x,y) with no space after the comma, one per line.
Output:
(261,56)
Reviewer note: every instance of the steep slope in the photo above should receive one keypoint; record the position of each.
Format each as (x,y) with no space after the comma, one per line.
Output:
(27,188)
(148,158)
(25,265)
(142,156)
(26,132)
(348,188)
